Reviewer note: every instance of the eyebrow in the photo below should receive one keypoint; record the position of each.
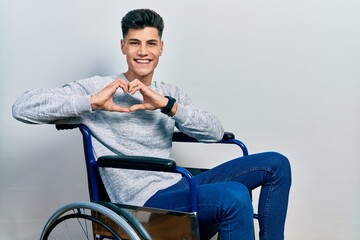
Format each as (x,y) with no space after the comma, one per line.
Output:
(138,40)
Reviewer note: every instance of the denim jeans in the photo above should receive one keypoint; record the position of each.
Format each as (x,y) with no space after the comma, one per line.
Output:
(224,203)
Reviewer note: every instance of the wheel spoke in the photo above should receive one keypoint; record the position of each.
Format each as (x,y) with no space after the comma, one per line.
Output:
(78,221)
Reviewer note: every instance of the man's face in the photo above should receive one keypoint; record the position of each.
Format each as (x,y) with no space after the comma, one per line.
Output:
(143,48)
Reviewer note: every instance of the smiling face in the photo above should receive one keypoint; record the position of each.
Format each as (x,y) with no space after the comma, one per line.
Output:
(142,48)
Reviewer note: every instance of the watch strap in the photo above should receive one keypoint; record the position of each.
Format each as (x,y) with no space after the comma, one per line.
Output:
(167,109)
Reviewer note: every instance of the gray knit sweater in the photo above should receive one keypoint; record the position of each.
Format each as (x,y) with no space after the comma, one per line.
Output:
(141,133)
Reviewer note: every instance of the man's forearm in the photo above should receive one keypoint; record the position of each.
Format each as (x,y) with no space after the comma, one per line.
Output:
(45,106)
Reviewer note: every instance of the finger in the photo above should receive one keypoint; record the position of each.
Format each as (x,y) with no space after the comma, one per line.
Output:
(111,88)
(119,79)
(122,84)
(135,85)
(117,108)
(135,82)
(134,88)
(137,107)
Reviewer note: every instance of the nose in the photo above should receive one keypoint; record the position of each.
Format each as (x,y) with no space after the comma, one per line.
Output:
(142,50)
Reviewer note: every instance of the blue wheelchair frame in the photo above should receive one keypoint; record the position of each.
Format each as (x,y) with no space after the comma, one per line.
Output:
(96,188)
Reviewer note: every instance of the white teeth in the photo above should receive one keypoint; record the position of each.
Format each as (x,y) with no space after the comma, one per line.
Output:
(142,61)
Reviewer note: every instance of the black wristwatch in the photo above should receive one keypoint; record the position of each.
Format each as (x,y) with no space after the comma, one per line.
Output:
(167,109)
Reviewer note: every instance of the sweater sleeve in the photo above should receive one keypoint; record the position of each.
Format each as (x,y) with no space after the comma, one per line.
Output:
(45,105)
(197,122)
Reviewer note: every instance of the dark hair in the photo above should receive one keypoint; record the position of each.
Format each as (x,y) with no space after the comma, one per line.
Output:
(141,18)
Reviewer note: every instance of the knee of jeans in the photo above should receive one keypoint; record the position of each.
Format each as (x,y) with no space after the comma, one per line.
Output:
(237,196)
(281,165)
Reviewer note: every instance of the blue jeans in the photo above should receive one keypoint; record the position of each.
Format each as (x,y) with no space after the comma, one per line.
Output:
(224,202)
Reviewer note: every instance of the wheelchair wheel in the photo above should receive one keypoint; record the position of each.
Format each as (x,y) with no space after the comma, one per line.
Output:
(86,220)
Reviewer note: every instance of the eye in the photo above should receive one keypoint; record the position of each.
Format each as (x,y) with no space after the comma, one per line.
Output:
(134,43)
(152,43)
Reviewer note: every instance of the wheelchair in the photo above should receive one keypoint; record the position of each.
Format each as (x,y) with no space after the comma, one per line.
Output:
(101,219)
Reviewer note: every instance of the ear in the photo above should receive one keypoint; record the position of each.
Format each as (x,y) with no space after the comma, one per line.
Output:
(122,45)
(161,47)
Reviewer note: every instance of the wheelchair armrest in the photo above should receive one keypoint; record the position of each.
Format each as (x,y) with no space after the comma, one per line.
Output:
(138,163)
(66,126)
(182,137)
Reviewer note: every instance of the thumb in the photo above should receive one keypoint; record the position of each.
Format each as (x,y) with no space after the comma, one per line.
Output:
(117,108)
(137,107)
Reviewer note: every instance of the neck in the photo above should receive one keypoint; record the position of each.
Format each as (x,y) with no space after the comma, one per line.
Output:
(147,80)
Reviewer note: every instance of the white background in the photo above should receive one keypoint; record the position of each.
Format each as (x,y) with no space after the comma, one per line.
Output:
(282,75)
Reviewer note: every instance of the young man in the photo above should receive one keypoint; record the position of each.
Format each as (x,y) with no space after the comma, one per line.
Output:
(130,114)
